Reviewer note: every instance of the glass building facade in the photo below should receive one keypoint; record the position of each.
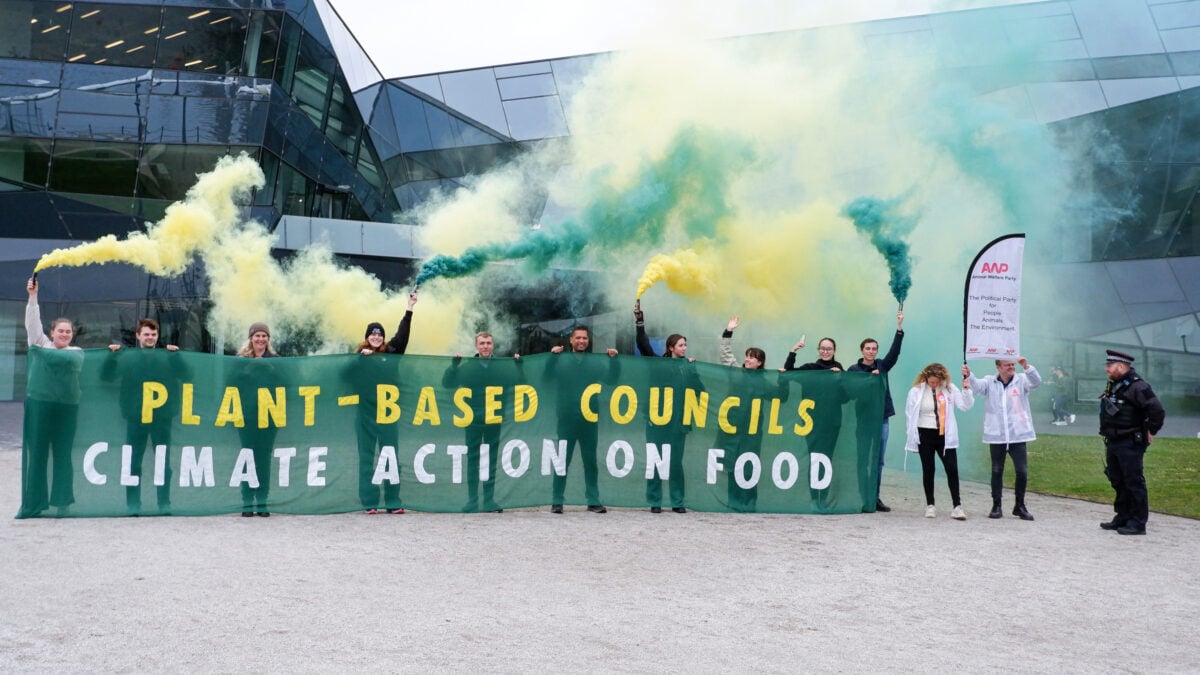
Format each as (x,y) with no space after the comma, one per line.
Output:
(108,110)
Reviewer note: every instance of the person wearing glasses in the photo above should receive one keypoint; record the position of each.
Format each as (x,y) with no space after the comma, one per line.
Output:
(827,411)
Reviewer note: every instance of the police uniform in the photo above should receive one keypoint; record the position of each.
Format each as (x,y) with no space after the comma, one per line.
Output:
(1129,414)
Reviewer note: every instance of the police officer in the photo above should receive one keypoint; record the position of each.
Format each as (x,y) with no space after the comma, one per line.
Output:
(1130,415)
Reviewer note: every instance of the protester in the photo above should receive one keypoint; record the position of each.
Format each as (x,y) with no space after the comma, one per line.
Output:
(1130,416)
(51,412)
(1007,426)
(931,429)
(365,376)
(865,432)
(249,379)
(133,368)
(755,382)
(673,437)
(572,374)
(478,374)
(827,411)
(373,340)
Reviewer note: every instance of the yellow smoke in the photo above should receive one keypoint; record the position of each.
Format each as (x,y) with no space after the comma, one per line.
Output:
(247,284)
(687,272)
(209,210)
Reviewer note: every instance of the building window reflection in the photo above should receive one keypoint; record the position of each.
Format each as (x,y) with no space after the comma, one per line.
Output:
(202,39)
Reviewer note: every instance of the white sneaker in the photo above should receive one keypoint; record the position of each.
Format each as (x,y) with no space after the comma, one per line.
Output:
(930,511)
(1071,419)
(958,514)
(1059,423)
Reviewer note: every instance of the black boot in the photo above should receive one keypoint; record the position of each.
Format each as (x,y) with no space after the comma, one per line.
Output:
(996,512)
(1021,512)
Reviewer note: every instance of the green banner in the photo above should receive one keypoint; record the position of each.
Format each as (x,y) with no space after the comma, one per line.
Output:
(154,432)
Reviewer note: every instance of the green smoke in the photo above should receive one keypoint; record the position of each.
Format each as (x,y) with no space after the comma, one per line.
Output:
(881,221)
(688,185)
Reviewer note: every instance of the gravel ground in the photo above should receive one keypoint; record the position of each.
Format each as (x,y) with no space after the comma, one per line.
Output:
(628,591)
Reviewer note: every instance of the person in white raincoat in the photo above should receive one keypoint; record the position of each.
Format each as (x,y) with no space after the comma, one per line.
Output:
(1007,425)
(933,430)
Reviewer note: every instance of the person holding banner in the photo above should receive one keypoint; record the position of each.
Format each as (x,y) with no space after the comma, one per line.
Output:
(865,431)
(672,436)
(828,408)
(133,369)
(932,429)
(1130,415)
(51,412)
(249,378)
(1008,426)
(477,374)
(751,377)
(572,374)
(365,375)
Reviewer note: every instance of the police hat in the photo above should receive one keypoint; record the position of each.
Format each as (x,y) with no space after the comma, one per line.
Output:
(1114,356)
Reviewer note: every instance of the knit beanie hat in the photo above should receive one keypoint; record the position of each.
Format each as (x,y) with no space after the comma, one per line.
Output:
(259,326)
(374,327)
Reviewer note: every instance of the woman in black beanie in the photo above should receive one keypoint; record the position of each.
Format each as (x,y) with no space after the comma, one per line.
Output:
(365,374)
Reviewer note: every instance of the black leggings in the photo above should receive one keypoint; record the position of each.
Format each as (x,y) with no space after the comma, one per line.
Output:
(930,443)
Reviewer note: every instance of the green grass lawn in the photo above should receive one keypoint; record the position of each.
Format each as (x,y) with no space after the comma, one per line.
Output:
(1073,466)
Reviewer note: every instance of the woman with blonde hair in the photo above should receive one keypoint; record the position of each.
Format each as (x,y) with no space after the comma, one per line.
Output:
(932,429)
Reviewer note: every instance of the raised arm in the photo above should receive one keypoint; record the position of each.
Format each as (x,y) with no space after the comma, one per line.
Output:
(33,317)
(642,341)
(893,354)
(399,342)
(726,349)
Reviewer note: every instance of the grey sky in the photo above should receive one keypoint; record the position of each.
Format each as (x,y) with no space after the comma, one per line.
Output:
(415,37)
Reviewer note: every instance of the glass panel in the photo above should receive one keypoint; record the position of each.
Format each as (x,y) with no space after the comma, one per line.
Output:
(1186,63)
(474,94)
(31,73)
(262,43)
(118,35)
(356,66)
(527,87)
(411,127)
(205,40)
(1137,33)
(289,53)
(168,171)
(196,119)
(1145,65)
(25,160)
(522,69)
(314,74)
(293,192)
(27,111)
(1177,15)
(365,100)
(469,134)
(270,167)
(1181,39)
(343,124)
(94,168)
(86,114)
(34,30)
(532,118)
(428,84)
(440,128)
(1119,92)
(368,165)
